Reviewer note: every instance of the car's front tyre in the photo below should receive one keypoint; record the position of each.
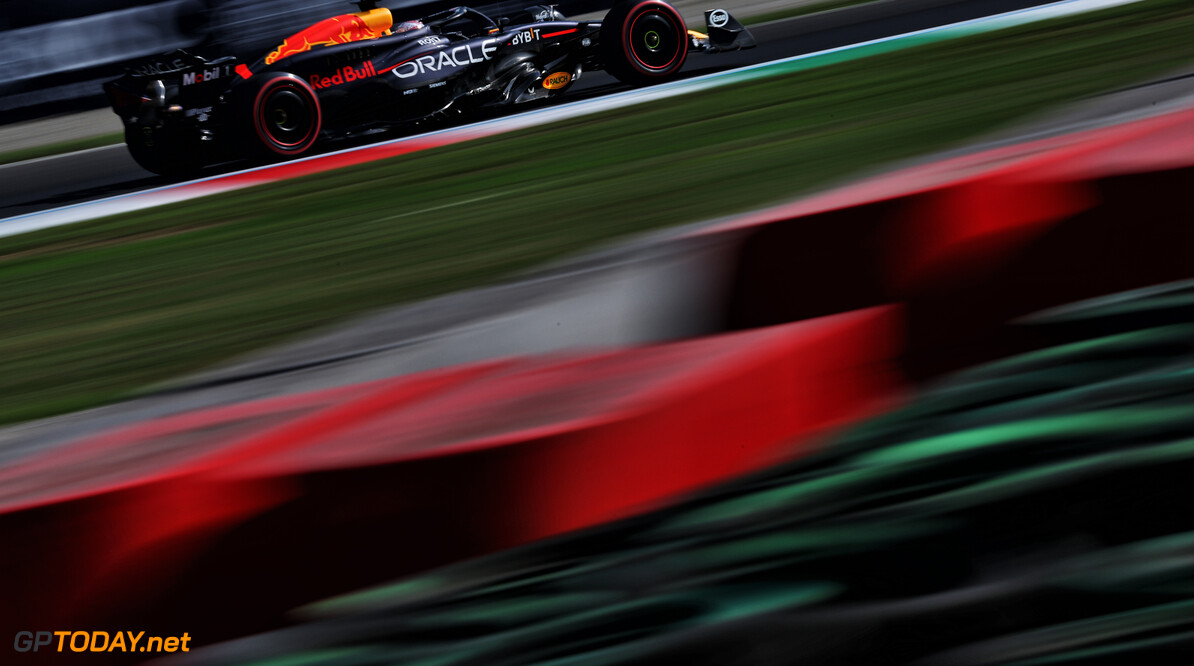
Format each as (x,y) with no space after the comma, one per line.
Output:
(643,41)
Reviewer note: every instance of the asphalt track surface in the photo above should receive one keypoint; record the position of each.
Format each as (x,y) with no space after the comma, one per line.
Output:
(103,172)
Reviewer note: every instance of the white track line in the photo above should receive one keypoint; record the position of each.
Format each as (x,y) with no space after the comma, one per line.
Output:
(46,158)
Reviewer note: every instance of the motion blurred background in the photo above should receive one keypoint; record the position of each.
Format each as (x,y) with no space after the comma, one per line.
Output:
(878,356)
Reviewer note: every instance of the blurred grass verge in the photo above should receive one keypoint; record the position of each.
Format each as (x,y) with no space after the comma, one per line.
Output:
(95,310)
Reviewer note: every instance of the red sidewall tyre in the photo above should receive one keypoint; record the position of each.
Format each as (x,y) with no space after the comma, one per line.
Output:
(644,42)
(286,116)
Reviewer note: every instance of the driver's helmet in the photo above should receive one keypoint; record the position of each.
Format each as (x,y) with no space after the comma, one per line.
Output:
(407,26)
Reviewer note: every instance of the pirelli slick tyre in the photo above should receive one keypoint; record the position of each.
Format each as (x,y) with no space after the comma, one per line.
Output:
(643,41)
(280,115)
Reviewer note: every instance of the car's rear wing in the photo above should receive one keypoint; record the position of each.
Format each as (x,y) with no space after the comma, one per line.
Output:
(725,34)
(176,78)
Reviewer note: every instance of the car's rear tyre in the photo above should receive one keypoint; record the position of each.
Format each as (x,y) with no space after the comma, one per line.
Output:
(281,113)
(643,41)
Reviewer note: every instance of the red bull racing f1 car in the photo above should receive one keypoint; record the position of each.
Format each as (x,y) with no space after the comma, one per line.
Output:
(362,72)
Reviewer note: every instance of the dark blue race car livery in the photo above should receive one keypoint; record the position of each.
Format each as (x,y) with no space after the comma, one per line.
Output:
(365,72)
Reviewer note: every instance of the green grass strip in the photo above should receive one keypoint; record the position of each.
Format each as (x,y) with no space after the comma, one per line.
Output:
(1023,482)
(96,310)
(1106,422)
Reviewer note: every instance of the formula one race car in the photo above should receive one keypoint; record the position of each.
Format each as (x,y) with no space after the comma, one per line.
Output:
(363,72)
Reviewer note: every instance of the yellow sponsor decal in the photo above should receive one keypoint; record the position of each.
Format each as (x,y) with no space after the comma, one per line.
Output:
(557,80)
